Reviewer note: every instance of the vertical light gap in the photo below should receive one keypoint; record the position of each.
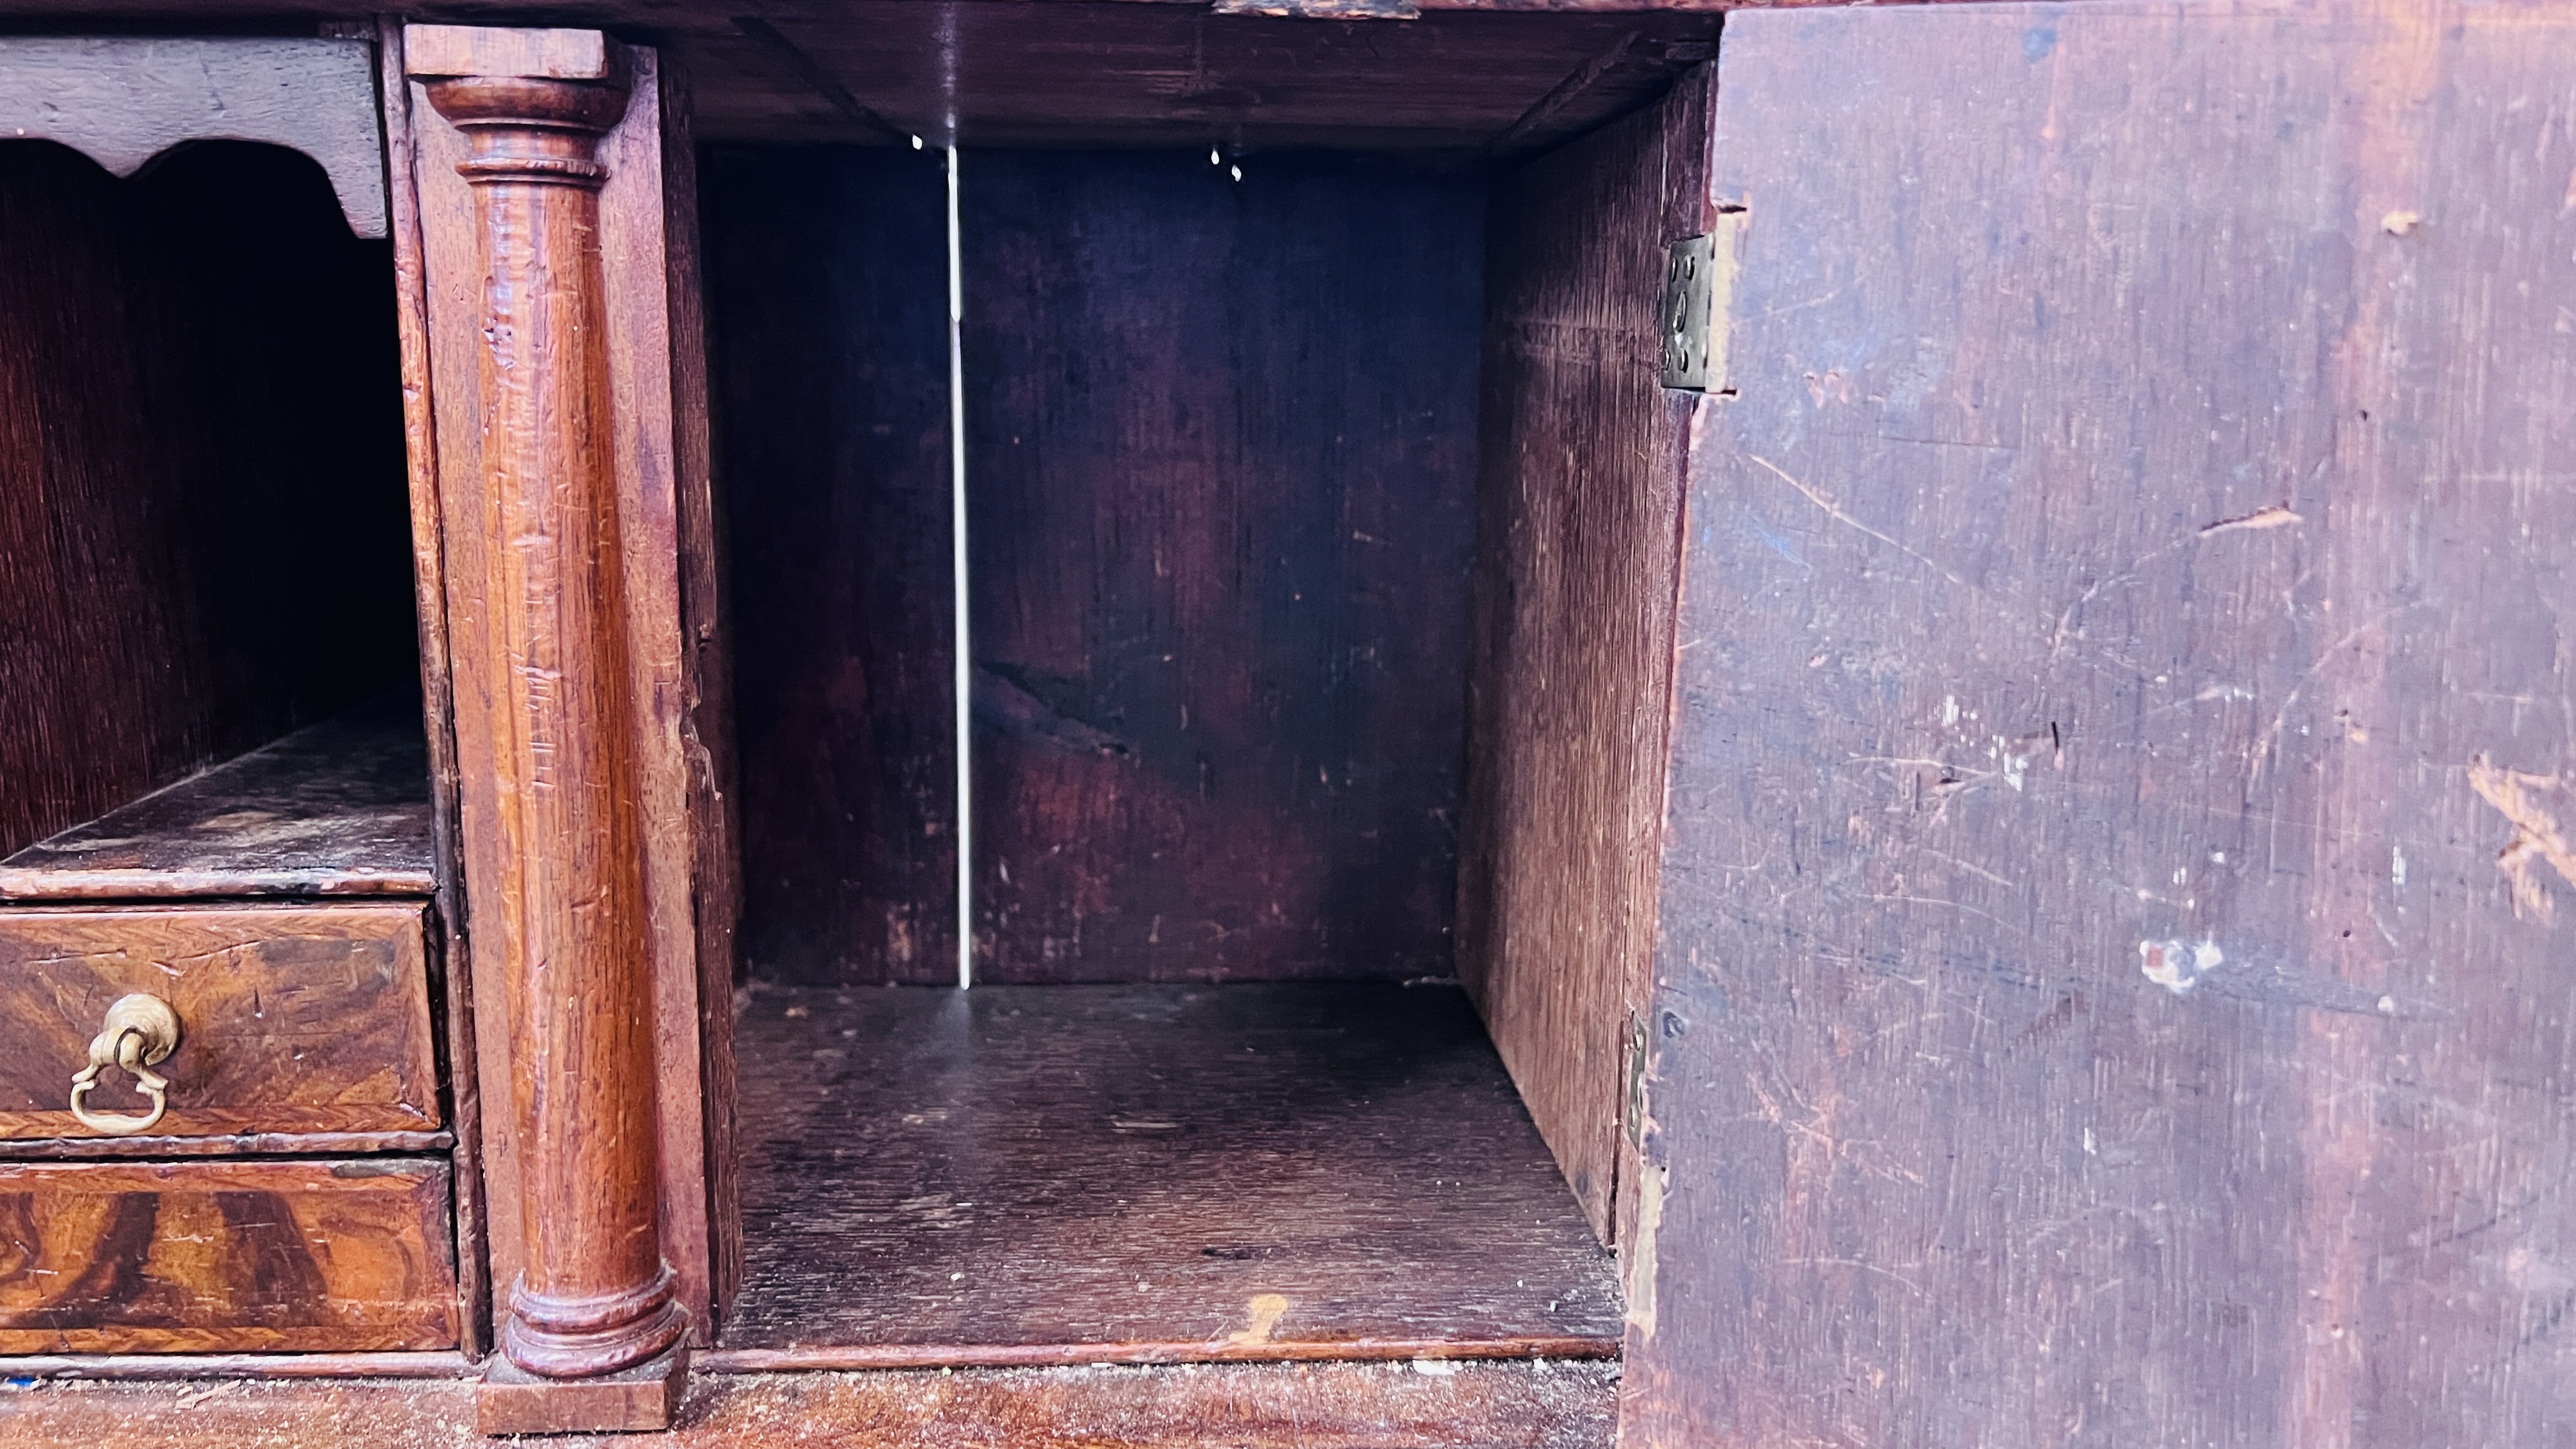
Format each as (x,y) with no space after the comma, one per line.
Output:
(965,680)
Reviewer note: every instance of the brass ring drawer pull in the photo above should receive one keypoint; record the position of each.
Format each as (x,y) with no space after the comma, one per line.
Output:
(141,1032)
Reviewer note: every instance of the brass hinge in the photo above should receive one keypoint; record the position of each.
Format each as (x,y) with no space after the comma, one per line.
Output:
(1699,294)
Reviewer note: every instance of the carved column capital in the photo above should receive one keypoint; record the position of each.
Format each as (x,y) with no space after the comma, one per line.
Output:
(532,129)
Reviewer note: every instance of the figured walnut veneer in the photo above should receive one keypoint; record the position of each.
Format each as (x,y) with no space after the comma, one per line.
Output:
(199,1257)
(294,1019)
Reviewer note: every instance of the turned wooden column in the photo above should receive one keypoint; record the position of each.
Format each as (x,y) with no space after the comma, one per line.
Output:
(550,669)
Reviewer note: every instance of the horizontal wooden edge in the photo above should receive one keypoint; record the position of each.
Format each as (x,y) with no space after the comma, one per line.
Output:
(446,1364)
(431,51)
(818,1358)
(440,1364)
(42,885)
(239,1144)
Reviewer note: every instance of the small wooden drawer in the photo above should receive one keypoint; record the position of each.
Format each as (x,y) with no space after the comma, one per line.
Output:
(297,1019)
(214,1256)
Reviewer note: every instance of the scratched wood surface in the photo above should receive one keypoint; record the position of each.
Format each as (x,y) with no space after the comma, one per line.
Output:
(1552,1405)
(305,1018)
(1579,504)
(1090,74)
(1220,537)
(662,557)
(1252,1166)
(2113,962)
(827,282)
(1223,466)
(200,462)
(438,702)
(125,100)
(341,808)
(101,1257)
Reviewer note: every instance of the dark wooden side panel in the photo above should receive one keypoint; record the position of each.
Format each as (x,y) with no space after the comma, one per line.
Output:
(2114,969)
(827,288)
(201,506)
(1222,472)
(309,1018)
(1579,504)
(210,1257)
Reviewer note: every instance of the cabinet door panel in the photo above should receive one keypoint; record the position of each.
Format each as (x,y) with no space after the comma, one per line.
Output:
(2112,972)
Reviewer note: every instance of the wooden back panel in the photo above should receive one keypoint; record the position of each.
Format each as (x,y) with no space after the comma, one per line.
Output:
(827,285)
(201,507)
(2113,976)
(1222,461)
(1220,493)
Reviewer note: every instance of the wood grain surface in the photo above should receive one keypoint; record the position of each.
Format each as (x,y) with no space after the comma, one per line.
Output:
(1220,536)
(2113,973)
(1578,553)
(1245,1406)
(563,820)
(827,288)
(201,510)
(311,1018)
(1221,493)
(662,495)
(438,698)
(1258,1167)
(341,808)
(225,1256)
(1176,76)
(123,100)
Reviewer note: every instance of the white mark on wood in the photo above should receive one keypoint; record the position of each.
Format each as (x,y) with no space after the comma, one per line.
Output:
(1262,1312)
(2397,865)
(2177,966)
(1641,1250)
(2537,833)
(2276,516)
(2011,766)
(1834,511)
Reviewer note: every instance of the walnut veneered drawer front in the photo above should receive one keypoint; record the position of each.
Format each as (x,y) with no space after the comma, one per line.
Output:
(226,1256)
(291,1019)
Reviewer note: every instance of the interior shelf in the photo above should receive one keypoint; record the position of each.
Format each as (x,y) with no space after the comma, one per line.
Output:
(1271,1170)
(340,808)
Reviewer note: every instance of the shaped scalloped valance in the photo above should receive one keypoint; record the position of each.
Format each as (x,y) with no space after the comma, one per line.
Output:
(123,100)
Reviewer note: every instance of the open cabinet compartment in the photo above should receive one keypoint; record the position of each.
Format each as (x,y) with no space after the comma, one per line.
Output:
(1298,467)
(216,837)
(204,543)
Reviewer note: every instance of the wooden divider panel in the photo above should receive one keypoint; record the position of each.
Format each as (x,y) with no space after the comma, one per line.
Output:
(1578,544)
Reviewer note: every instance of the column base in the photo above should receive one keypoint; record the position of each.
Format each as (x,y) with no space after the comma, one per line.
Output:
(511,1400)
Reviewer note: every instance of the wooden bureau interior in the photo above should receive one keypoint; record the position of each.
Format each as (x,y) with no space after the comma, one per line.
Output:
(1228,409)
(217,792)
(1300,415)
(1874,743)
